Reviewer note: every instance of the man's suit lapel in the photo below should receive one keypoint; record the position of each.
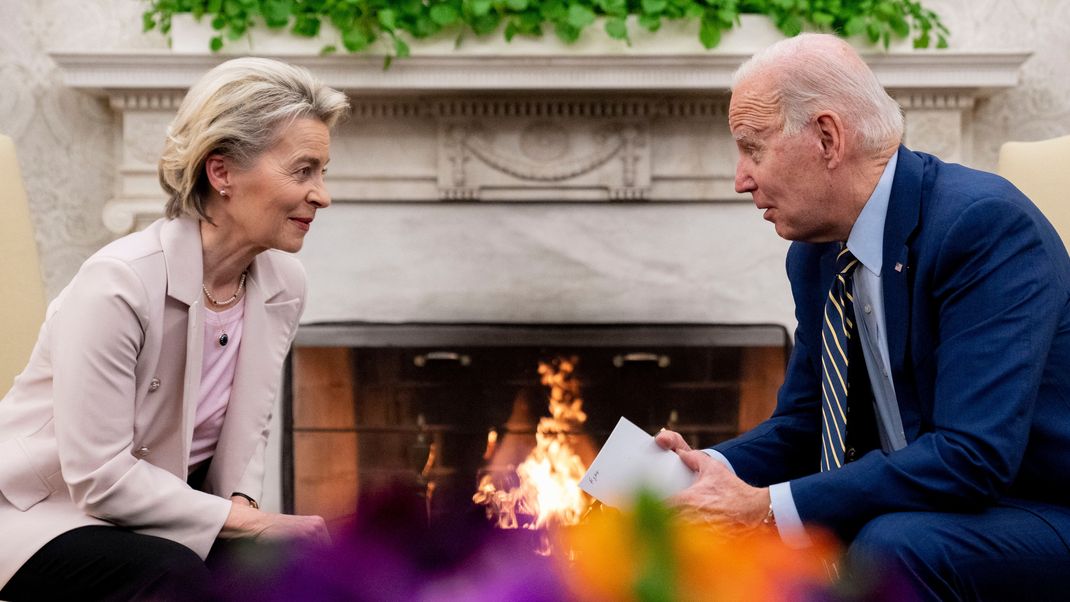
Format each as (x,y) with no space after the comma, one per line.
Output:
(904,208)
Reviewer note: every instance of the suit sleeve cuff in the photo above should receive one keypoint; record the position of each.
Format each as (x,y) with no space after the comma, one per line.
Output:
(716,455)
(788,523)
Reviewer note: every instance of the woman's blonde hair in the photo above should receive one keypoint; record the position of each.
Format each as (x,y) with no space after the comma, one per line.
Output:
(237,110)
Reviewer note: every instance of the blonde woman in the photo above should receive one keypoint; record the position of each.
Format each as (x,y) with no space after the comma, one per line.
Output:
(135,437)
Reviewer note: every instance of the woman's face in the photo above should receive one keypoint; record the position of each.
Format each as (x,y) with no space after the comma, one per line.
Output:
(272,203)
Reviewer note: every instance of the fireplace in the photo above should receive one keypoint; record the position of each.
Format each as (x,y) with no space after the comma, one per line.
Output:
(430,407)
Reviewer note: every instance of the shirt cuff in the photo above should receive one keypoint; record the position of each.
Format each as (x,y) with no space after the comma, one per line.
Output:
(716,455)
(788,523)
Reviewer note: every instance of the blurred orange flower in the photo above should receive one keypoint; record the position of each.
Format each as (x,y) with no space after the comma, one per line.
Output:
(652,555)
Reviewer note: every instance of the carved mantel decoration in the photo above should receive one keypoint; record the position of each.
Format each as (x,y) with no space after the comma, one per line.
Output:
(559,128)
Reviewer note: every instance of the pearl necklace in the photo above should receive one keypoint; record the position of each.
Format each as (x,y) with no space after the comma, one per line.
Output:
(233,298)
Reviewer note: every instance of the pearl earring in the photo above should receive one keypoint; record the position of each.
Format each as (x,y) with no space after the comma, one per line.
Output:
(222,192)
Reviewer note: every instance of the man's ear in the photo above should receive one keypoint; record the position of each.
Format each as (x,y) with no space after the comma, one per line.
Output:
(831,136)
(217,168)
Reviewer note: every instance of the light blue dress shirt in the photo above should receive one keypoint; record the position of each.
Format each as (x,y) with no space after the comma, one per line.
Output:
(866,243)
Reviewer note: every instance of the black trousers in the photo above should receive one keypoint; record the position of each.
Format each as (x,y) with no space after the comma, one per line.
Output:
(110,563)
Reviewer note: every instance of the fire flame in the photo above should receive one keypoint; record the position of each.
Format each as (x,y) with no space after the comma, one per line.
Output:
(548,490)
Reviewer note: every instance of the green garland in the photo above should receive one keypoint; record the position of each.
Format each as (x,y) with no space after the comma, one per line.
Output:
(363,22)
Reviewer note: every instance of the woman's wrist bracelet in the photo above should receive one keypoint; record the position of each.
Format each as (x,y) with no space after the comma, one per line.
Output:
(252,502)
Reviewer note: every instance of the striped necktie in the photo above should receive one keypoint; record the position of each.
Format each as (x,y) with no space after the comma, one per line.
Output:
(837,330)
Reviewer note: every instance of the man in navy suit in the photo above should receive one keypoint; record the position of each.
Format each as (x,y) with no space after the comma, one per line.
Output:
(954,464)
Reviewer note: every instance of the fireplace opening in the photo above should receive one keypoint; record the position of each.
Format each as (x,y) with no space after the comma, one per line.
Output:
(441,410)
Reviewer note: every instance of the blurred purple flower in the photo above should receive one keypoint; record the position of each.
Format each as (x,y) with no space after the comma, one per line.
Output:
(388,551)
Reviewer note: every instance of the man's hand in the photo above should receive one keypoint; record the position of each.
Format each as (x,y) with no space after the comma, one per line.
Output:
(717,496)
(672,441)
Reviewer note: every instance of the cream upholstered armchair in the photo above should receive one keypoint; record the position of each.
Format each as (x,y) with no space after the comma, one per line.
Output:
(23,307)
(1042,171)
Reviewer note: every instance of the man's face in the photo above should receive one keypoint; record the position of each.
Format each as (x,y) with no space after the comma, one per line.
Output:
(785,175)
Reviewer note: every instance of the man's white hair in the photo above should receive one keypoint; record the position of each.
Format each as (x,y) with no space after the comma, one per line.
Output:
(818,72)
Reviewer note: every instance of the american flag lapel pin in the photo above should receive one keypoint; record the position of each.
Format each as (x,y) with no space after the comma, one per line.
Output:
(898,266)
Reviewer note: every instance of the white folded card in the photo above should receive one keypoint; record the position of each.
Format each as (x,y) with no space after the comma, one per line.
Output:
(629,461)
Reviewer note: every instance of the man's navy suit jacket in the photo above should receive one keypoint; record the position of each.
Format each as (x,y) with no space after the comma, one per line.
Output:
(977,312)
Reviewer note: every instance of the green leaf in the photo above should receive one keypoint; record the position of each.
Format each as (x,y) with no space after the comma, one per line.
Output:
(650,22)
(873,32)
(823,20)
(899,26)
(444,14)
(530,23)
(580,16)
(276,12)
(709,34)
(854,26)
(478,8)
(216,44)
(424,27)
(566,32)
(554,10)
(792,25)
(485,24)
(654,7)
(517,5)
(343,15)
(617,28)
(410,8)
(219,23)
(401,49)
(355,39)
(388,19)
(307,26)
(148,22)
(614,8)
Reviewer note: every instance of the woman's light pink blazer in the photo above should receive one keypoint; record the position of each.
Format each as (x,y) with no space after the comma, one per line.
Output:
(98,428)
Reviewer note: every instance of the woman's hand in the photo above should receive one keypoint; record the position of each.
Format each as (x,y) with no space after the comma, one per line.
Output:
(246,521)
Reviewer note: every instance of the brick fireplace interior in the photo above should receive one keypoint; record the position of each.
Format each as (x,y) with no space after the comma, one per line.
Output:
(413,406)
